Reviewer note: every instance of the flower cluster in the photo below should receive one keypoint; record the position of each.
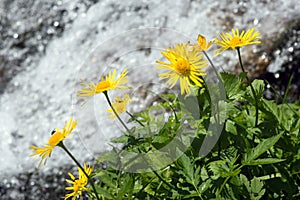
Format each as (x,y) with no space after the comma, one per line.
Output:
(183,63)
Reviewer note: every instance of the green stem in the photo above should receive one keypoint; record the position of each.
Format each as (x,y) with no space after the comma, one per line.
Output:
(113,109)
(250,84)
(219,192)
(175,115)
(82,169)
(199,194)
(287,89)
(212,64)
(135,119)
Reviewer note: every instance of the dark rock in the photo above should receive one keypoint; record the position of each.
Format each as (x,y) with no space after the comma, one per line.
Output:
(286,48)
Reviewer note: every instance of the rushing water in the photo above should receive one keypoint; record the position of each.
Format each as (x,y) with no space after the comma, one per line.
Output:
(47,46)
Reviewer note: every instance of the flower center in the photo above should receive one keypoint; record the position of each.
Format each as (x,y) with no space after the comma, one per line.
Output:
(55,139)
(102,86)
(77,185)
(236,42)
(183,67)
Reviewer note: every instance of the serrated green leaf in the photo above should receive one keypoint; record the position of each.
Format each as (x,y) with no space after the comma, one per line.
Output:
(204,186)
(110,156)
(259,87)
(256,188)
(231,127)
(232,85)
(220,168)
(187,168)
(192,194)
(261,148)
(245,181)
(265,161)
(107,178)
(104,193)
(125,187)
(204,174)
(122,139)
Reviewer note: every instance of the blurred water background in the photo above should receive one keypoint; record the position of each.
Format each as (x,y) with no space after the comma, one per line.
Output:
(47,46)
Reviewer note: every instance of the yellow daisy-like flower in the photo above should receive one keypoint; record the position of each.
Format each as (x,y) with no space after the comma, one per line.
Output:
(79,184)
(185,65)
(110,82)
(201,44)
(119,105)
(55,139)
(236,40)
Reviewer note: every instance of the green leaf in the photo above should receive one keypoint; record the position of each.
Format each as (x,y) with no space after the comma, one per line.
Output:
(245,181)
(204,174)
(231,127)
(122,139)
(125,187)
(265,161)
(259,87)
(232,85)
(221,168)
(107,156)
(256,188)
(204,186)
(261,148)
(104,193)
(188,170)
(271,107)
(283,114)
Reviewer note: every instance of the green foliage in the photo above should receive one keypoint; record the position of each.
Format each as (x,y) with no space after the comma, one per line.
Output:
(261,148)
(249,161)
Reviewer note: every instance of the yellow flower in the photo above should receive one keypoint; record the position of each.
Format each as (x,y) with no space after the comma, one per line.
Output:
(55,139)
(185,65)
(79,184)
(202,45)
(119,105)
(108,83)
(236,40)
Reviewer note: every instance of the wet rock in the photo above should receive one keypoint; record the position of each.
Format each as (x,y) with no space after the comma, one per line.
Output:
(283,72)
